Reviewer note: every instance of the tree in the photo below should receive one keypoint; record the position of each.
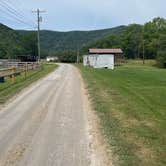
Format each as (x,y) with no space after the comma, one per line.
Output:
(132,40)
(161,54)
(110,41)
(2,53)
(29,44)
(153,31)
(67,56)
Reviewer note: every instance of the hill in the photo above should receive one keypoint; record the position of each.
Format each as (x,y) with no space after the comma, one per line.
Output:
(9,40)
(137,41)
(53,41)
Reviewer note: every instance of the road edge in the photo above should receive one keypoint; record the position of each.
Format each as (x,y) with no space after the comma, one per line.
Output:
(97,143)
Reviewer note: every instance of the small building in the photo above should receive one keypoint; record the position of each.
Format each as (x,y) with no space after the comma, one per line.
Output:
(102,58)
(52,59)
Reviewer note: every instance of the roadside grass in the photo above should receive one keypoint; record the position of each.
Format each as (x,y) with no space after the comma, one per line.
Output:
(139,62)
(9,89)
(131,103)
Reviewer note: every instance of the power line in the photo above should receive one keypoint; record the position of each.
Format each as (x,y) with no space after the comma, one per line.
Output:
(15,18)
(11,12)
(17,10)
(12,6)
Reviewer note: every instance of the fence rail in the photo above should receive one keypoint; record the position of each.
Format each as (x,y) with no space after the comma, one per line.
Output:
(14,69)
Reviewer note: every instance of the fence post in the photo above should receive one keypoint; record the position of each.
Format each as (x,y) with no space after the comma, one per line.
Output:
(13,74)
(32,65)
(40,66)
(25,70)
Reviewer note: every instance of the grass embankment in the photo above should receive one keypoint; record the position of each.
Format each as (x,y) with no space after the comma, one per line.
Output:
(131,102)
(8,89)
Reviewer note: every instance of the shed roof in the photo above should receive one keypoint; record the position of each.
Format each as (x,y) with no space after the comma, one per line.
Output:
(105,51)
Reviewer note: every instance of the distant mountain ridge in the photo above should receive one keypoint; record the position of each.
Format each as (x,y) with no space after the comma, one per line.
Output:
(65,44)
(53,41)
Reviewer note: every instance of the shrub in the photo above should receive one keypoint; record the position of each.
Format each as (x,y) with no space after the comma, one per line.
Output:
(161,58)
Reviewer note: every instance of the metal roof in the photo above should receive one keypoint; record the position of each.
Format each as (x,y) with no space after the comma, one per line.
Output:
(105,51)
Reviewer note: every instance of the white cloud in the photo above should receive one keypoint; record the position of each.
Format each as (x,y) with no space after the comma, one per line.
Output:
(93,14)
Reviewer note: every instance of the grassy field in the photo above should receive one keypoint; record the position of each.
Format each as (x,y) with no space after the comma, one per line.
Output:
(8,89)
(131,102)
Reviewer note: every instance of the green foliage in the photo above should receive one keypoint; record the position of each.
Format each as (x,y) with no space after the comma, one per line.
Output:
(29,44)
(161,58)
(131,41)
(152,32)
(9,40)
(55,42)
(13,44)
(161,54)
(110,41)
(3,52)
(66,56)
(130,38)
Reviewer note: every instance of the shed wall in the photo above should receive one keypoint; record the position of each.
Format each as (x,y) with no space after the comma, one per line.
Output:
(99,61)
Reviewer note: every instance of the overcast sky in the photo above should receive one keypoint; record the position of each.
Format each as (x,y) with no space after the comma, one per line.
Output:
(66,15)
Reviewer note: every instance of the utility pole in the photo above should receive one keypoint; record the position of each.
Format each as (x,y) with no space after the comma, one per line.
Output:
(143,46)
(39,20)
(78,56)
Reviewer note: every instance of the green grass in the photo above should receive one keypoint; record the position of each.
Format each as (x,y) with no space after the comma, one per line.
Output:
(9,89)
(140,62)
(131,102)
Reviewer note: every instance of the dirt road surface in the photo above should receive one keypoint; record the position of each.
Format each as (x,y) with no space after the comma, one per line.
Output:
(46,124)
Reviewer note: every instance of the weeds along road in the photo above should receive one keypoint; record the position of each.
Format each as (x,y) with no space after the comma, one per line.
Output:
(46,125)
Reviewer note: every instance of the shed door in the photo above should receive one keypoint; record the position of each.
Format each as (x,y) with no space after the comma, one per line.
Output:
(105,61)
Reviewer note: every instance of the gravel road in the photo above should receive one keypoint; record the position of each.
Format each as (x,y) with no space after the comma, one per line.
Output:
(45,125)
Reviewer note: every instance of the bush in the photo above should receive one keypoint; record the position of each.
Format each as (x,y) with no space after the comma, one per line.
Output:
(161,58)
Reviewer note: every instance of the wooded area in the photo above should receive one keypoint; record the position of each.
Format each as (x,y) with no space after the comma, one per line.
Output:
(12,44)
(135,40)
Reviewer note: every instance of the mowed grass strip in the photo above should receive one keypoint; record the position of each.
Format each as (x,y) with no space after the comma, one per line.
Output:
(8,89)
(131,102)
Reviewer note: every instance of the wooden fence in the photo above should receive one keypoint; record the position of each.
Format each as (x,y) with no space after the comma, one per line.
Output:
(14,69)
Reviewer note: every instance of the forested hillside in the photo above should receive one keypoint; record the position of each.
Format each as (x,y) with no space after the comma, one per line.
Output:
(9,40)
(134,39)
(53,42)
(13,44)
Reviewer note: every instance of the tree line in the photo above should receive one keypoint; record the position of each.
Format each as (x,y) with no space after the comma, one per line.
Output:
(148,40)
(137,41)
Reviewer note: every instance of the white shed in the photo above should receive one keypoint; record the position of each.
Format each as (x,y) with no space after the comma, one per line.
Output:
(51,58)
(101,58)
(99,61)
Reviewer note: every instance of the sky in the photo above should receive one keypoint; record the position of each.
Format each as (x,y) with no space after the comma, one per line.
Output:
(67,15)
